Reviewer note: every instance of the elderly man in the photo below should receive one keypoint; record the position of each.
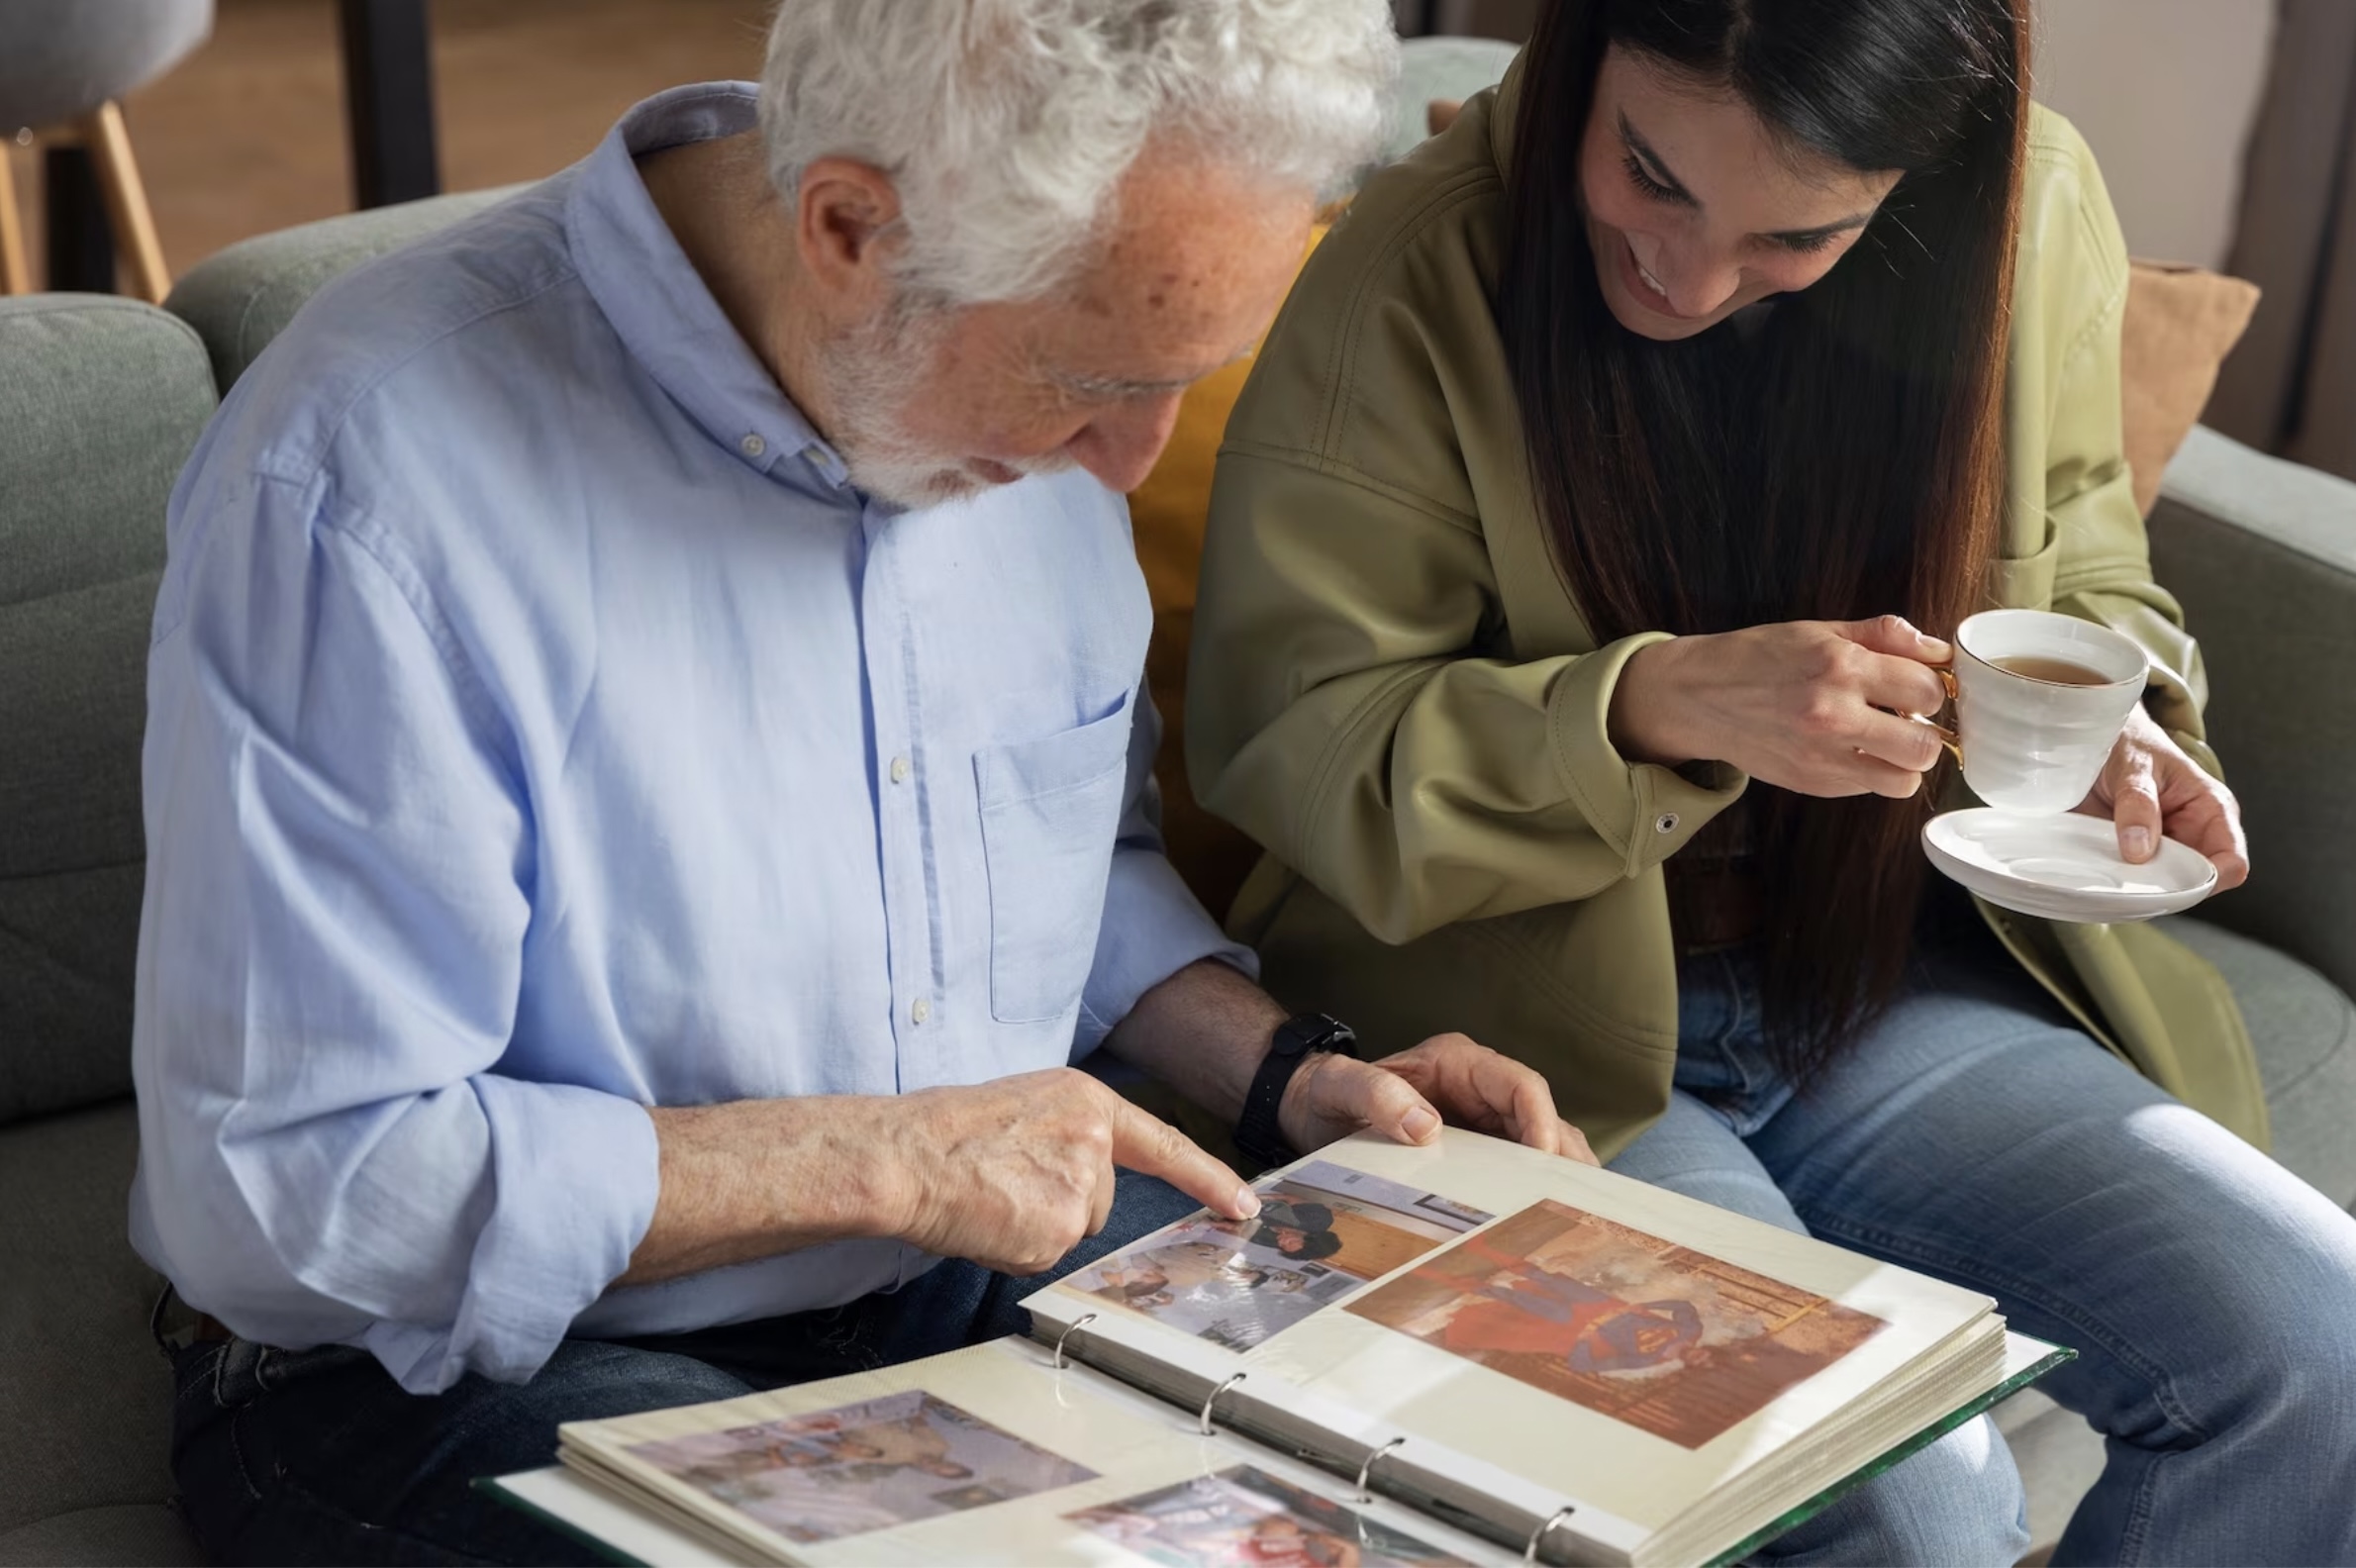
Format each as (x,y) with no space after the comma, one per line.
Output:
(647,782)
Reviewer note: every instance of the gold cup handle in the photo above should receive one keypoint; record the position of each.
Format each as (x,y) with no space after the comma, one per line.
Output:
(1947,735)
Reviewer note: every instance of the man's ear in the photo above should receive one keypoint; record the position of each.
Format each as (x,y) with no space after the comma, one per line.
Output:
(846,221)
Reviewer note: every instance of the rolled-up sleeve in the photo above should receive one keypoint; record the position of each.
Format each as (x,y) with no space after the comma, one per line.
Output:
(339,891)
(1153,926)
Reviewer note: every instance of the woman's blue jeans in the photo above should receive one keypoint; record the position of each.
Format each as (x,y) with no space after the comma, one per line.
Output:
(1974,1135)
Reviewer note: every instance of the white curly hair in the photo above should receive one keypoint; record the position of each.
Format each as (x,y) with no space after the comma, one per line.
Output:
(1007,125)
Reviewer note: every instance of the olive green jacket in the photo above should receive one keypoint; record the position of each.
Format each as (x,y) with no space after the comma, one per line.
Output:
(1392,690)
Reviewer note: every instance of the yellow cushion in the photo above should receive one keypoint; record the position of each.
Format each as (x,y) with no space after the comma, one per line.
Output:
(1167,513)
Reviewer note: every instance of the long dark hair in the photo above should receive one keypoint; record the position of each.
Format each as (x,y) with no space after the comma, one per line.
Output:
(1848,462)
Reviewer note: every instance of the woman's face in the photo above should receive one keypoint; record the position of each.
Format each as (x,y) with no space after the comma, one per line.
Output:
(1696,209)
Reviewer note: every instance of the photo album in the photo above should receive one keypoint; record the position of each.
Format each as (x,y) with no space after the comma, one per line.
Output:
(1469,1353)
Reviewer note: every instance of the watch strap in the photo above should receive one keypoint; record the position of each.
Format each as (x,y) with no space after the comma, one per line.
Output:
(1258,1134)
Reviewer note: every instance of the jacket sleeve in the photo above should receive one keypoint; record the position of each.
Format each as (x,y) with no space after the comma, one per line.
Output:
(1351,707)
(2103,558)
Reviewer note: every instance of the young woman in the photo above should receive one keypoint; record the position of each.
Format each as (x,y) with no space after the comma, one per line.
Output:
(1634,442)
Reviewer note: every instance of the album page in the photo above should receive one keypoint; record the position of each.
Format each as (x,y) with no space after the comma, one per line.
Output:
(992,1455)
(1517,1333)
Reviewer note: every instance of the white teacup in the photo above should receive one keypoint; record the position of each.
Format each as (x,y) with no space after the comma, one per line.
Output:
(2040,700)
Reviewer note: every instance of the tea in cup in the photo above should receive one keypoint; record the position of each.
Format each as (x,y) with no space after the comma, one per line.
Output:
(2040,700)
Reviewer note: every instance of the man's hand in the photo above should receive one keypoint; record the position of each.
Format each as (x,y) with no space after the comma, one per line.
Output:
(1406,1096)
(1206,1029)
(2150,788)
(1011,1174)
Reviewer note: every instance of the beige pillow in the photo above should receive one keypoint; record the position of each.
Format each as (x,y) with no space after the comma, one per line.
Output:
(2180,324)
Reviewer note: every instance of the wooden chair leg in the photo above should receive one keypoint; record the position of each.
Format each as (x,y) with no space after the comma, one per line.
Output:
(16,277)
(127,202)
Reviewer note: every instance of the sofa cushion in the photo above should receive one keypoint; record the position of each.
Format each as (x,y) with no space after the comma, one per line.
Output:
(101,403)
(2178,325)
(238,299)
(2304,1032)
(2262,553)
(135,1532)
(85,1407)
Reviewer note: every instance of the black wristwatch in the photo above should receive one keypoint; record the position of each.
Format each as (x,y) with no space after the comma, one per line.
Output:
(1257,1134)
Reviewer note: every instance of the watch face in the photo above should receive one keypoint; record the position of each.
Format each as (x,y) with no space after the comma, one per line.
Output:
(1313,1031)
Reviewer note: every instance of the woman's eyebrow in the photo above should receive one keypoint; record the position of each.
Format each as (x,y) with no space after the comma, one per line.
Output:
(1662,175)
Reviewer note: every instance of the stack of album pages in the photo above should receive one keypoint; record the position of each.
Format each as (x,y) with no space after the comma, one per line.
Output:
(1467,1352)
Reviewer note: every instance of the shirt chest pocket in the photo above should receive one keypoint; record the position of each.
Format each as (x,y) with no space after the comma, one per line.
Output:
(1050,811)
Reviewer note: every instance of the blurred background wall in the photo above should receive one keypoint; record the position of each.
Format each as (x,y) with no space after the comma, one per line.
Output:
(2165,91)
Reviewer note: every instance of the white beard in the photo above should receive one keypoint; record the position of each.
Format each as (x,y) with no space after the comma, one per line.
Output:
(873,373)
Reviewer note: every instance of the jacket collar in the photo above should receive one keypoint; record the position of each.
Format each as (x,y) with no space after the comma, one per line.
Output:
(1504,109)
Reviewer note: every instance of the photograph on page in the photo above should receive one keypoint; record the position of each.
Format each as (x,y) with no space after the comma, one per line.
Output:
(1324,1229)
(857,1468)
(1660,1336)
(1246,1516)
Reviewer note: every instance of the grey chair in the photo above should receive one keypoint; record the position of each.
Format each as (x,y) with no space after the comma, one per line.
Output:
(100,401)
(64,67)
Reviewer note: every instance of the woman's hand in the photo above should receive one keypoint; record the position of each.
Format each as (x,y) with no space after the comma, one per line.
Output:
(1810,705)
(2150,788)
(1406,1096)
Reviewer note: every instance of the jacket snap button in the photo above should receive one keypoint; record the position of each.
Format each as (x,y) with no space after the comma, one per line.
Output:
(1665,822)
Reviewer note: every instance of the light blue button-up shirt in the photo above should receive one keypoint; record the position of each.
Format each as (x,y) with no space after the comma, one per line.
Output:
(540,729)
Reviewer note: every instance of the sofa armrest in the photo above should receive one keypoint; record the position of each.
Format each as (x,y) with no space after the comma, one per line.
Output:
(2263,554)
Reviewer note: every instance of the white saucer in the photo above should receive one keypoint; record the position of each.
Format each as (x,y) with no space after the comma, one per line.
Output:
(2065,867)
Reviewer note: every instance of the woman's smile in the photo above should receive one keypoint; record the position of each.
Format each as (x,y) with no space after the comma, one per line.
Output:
(1642,286)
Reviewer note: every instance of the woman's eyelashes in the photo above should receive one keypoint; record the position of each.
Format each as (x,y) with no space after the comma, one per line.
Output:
(1654,190)
(1645,182)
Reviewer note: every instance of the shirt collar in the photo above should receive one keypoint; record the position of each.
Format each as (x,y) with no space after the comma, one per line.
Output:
(658,303)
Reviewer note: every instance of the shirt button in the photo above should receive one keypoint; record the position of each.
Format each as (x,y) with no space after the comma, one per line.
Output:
(753,445)
(922,1011)
(1665,822)
(900,771)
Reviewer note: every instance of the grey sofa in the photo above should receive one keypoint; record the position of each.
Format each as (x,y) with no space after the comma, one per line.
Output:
(100,401)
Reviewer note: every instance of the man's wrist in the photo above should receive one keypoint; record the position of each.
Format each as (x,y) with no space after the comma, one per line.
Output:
(1263,1132)
(1203,1031)
(753,1178)
(884,1196)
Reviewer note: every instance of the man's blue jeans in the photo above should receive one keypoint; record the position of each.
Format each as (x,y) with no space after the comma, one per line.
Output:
(318,1456)
(1976,1135)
